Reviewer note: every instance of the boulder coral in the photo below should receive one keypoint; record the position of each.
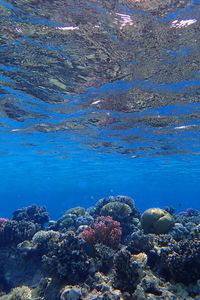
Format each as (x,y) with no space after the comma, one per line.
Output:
(116,210)
(156,220)
(123,199)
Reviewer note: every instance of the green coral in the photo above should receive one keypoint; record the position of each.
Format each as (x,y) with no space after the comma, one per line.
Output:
(42,236)
(66,221)
(156,220)
(116,210)
(78,211)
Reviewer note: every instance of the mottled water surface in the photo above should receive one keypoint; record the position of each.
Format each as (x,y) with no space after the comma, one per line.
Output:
(99,97)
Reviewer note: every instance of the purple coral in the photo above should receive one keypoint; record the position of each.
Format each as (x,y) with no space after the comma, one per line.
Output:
(192,212)
(183,213)
(105,230)
(189,212)
(88,235)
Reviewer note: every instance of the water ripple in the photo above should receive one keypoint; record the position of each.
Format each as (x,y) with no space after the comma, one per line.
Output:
(113,77)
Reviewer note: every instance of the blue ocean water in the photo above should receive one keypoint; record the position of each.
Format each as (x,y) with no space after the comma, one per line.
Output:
(99,98)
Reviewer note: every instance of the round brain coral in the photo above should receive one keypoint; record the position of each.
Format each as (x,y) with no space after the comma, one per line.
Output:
(156,220)
(116,210)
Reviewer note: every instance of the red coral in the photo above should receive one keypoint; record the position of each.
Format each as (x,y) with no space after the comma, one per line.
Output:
(88,235)
(105,230)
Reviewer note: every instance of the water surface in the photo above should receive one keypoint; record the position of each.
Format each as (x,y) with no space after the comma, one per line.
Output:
(99,98)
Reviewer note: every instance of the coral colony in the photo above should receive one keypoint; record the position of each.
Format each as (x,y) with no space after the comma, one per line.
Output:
(109,251)
(3,221)
(105,231)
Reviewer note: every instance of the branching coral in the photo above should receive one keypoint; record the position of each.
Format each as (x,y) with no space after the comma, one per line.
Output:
(105,230)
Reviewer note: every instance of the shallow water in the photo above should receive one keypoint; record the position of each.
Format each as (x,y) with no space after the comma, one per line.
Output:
(99,98)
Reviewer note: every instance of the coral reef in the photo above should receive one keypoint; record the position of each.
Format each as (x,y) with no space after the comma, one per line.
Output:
(66,258)
(84,220)
(121,208)
(66,222)
(77,211)
(23,225)
(116,210)
(105,230)
(3,221)
(122,199)
(33,213)
(100,257)
(13,232)
(19,293)
(72,219)
(127,273)
(156,220)
(179,258)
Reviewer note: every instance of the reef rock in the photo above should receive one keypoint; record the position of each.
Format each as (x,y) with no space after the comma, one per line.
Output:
(127,271)
(181,261)
(13,232)
(71,293)
(33,213)
(66,258)
(18,293)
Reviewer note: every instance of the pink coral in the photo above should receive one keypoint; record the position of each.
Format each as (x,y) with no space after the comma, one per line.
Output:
(88,235)
(3,221)
(105,230)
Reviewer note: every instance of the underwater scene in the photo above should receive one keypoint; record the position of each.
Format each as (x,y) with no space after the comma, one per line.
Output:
(99,149)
